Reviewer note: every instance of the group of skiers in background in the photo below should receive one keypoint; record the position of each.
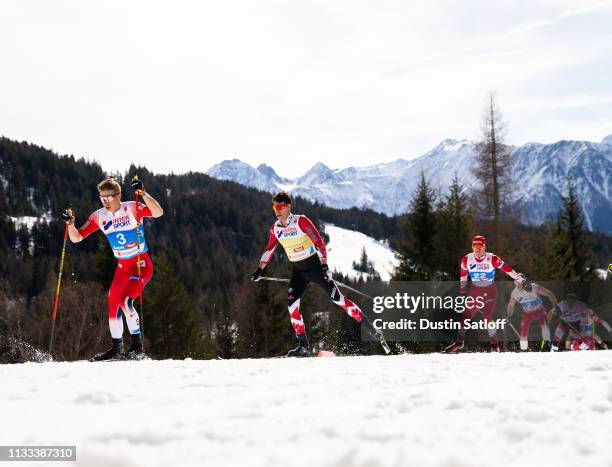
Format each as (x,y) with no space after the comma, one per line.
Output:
(121,223)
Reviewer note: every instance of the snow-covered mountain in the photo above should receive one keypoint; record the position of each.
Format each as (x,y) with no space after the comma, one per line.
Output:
(345,247)
(540,173)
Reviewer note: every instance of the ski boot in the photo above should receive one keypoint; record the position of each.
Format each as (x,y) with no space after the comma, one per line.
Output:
(116,352)
(546,346)
(455,347)
(135,351)
(302,349)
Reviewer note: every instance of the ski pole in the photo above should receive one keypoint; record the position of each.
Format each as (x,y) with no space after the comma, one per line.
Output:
(569,325)
(59,283)
(339,284)
(513,329)
(273,279)
(139,272)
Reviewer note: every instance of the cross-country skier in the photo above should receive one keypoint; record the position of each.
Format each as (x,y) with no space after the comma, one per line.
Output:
(480,266)
(528,296)
(588,339)
(306,251)
(578,321)
(119,221)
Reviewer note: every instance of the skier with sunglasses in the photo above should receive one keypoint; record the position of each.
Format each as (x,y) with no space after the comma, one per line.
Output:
(306,251)
(121,222)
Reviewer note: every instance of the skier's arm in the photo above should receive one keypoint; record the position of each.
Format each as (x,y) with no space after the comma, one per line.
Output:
(76,235)
(269,249)
(510,307)
(499,264)
(73,233)
(598,320)
(548,294)
(555,310)
(308,227)
(463,275)
(153,205)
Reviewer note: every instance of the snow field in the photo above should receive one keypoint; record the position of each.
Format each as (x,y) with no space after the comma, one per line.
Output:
(345,246)
(411,410)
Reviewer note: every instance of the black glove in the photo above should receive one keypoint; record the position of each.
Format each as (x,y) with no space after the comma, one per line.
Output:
(255,274)
(527,286)
(68,216)
(327,274)
(137,185)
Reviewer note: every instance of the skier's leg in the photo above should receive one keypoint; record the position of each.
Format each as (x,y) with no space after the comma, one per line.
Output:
(133,288)
(297,286)
(131,316)
(115,321)
(332,291)
(525,323)
(135,284)
(490,296)
(560,331)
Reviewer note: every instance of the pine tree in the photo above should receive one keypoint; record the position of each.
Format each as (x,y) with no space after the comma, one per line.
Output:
(417,231)
(171,323)
(452,241)
(493,165)
(567,242)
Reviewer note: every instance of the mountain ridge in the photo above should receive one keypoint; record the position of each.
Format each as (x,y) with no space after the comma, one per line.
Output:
(540,172)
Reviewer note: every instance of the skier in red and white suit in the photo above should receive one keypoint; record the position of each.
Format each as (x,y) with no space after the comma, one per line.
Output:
(480,266)
(306,251)
(528,295)
(579,320)
(121,223)
(588,340)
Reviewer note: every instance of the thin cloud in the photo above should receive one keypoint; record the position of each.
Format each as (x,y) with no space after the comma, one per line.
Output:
(560,17)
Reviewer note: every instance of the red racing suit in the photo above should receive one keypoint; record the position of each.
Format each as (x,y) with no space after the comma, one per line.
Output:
(120,229)
(482,272)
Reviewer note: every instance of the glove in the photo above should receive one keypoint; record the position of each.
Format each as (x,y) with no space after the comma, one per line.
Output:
(68,216)
(327,274)
(255,274)
(527,286)
(137,186)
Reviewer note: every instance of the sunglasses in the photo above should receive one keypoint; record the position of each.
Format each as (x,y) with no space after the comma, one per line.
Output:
(108,198)
(279,207)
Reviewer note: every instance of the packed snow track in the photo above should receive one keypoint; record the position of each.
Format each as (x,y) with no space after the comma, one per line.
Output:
(412,410)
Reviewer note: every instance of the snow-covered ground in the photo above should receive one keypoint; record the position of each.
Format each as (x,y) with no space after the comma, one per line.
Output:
(345,246)
(411,410)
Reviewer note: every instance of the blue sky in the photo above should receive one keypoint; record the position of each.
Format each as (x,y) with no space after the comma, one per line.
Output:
(180,86)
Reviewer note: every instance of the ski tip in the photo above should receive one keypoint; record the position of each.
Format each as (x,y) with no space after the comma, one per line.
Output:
(326,353)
